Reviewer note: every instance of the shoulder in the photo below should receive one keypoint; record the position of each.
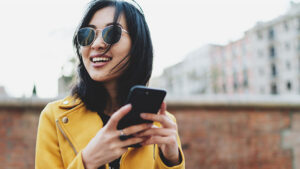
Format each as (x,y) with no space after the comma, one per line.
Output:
(57,107)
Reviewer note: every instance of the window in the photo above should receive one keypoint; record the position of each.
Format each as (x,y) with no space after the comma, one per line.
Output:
(273,69)
(235,81)
(289,86)
(271,34)
(286,26)
(245,83)
(274,89)
(272,51)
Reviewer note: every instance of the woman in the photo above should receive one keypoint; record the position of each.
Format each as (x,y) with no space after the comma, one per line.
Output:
(114,48)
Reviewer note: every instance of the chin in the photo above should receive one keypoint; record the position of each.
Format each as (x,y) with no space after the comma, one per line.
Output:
(102,79)
(98,79)
(98,76)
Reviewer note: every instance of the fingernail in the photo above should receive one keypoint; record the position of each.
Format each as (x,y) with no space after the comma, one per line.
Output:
(143,115)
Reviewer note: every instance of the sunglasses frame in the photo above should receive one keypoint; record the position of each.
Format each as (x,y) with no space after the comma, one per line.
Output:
(95,37)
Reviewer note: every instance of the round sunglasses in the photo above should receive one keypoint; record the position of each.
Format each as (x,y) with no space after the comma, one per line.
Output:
(110,35)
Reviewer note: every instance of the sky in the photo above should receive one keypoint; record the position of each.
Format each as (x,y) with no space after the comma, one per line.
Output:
(36,35)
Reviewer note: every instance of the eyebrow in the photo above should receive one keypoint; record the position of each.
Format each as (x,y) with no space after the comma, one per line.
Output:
(93,26)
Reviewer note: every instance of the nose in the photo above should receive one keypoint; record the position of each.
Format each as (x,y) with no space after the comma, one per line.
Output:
(99,43)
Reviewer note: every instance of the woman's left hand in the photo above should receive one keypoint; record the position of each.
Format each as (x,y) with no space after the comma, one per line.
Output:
(165,136)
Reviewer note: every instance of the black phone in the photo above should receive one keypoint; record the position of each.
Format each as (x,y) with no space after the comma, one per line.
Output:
(143,100)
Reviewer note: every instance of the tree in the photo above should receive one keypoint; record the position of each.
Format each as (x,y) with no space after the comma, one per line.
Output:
(34,94)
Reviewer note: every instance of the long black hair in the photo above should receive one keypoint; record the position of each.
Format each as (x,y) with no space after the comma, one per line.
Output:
(138,67)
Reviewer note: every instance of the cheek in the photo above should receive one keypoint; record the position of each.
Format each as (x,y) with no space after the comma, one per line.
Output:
(84,52)
(122,48)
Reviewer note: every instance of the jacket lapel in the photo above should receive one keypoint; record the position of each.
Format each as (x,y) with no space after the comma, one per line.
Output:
(79,124)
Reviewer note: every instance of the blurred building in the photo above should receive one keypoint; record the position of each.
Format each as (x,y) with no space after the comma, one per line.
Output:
(275,54)
(68,77)
(2,91)
(230,68)
(191,76)
(64,85)
(266,60)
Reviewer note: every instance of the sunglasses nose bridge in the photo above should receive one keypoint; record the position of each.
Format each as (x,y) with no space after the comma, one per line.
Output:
(98,41)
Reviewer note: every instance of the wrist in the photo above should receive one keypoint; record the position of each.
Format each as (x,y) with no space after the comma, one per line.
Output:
(86,160)
(171,161)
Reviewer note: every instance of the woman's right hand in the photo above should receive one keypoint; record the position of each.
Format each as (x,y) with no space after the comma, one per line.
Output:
(106,146)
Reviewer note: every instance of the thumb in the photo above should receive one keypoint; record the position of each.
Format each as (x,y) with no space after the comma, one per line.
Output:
(117,116)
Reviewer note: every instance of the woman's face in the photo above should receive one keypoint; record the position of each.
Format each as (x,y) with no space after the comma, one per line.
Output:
(100,68)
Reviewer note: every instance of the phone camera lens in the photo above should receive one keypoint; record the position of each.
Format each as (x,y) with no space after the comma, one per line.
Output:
(147,93)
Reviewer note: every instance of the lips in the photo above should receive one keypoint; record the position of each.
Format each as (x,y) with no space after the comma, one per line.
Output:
(99,60)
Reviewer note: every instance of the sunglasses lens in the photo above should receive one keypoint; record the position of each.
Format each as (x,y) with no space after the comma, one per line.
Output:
(85,36)
(111,34)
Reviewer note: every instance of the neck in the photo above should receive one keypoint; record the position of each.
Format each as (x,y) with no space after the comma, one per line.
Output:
(112,104)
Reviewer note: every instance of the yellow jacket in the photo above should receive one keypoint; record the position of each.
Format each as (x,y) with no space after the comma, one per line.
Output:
(66,127)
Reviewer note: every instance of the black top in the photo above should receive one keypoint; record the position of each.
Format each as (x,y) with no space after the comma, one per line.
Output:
(116,163)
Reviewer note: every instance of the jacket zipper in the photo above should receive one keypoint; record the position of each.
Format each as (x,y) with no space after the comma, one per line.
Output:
(154,151)
(65,136)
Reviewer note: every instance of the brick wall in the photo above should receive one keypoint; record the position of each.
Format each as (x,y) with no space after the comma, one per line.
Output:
(234,139)
(214,135)
(18,127)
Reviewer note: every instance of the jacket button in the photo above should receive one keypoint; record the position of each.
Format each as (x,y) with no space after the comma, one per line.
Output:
(65,120)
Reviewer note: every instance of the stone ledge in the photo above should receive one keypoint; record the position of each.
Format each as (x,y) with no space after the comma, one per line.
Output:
(34,102)
(235,101)
(176,102)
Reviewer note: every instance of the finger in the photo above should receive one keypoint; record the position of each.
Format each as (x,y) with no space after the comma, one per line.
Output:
(130,141)
(163,119)
(157,132)
(163,108)
(159,140)
(117,116)
(137,128)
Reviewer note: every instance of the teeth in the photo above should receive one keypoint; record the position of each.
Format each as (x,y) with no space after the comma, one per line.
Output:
(100,59)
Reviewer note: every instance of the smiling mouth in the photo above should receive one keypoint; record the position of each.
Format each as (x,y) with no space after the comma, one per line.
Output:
(101,59)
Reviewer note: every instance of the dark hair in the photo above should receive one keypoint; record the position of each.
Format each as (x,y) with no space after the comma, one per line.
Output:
(138,68)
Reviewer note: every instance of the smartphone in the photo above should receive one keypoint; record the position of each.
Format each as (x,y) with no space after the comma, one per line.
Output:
(143,100)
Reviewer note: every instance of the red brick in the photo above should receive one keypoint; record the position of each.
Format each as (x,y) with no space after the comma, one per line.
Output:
(240,138)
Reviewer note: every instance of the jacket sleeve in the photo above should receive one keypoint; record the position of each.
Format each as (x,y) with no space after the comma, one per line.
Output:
(159,164)
(48,153)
